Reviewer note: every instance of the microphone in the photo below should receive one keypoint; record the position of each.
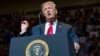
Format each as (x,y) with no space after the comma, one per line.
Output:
(41,20)
(39,16)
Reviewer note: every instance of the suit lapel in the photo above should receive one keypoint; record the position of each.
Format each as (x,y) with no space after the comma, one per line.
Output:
(59,27)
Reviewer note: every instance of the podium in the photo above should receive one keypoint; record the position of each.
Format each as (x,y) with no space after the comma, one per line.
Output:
(56,45)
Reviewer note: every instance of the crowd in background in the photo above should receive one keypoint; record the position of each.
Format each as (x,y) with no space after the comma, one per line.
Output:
(86,23)
(87,26)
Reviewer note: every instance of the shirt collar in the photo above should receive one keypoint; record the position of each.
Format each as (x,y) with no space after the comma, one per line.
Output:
(54,22)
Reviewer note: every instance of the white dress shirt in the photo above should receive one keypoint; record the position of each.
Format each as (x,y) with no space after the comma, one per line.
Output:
(47,25)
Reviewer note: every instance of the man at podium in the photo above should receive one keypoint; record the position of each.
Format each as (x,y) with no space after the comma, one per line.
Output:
(53,26)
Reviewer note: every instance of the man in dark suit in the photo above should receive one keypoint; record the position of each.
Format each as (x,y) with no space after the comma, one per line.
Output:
(50,12)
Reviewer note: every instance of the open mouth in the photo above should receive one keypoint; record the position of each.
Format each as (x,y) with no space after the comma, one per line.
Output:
(49,14)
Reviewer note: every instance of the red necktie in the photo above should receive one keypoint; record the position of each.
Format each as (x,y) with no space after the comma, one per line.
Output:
(50,29)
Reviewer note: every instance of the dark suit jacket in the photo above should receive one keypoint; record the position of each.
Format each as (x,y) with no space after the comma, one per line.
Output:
(25,34)
(61,28)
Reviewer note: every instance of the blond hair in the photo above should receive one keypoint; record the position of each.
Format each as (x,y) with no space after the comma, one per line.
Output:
(48,3)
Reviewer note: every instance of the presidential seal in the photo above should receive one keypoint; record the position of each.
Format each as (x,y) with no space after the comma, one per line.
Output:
(37,48)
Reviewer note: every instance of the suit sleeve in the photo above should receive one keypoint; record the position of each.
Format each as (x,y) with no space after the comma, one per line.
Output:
(73,35)
(34,30)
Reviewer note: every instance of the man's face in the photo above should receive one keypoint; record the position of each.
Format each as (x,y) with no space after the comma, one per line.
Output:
(50,12)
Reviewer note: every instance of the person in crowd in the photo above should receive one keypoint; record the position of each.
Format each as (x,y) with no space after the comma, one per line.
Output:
(25,28)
